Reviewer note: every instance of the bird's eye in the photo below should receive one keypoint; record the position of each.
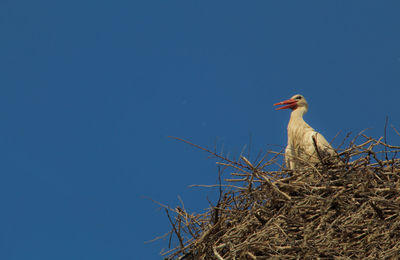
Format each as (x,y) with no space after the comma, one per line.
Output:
(298,97)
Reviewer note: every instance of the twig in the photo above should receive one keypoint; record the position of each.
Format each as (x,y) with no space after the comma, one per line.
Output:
(178,235)
(206,150)
(314,138)
(217,255)
(384,137)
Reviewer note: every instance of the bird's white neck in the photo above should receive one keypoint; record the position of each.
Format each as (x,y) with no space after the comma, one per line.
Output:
(297,114)
(296,121)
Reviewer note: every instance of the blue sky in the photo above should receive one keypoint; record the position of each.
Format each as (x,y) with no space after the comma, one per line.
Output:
(91,90)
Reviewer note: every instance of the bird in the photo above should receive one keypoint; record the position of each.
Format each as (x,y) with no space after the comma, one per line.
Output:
(305,145)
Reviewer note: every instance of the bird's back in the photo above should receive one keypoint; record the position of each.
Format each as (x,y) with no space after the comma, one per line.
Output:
(305,146)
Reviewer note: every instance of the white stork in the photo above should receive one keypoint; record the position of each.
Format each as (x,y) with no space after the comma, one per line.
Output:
(305,145)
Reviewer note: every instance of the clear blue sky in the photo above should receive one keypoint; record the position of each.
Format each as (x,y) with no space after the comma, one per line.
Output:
(90,90)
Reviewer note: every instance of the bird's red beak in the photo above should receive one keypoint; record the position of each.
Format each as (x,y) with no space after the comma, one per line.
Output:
(290,103)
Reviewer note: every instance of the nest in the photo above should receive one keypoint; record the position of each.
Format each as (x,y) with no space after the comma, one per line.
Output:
(328,211)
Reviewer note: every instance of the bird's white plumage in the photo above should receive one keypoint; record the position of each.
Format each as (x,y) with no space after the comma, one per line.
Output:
(305,145)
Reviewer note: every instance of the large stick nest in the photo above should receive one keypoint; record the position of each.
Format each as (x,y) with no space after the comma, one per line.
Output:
(328,211)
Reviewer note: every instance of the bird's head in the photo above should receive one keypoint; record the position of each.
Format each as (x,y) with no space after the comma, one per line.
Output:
(297,101)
